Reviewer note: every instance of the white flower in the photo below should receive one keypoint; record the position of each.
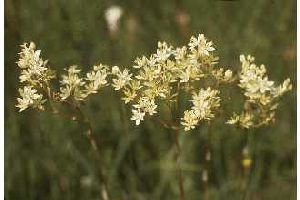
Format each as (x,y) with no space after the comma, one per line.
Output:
(147,105)
(25,76)
(228,74)
(71,84)
(137,116)
(165,73)
(122,79)
(141,62)
(180,53)
(201,45)
(246,119)
(115,70)
(65,92)
(234,119)
(29,98)
(163,52)
(33,68)
(283,88)
(261,95)
(184,76)
(204,104)
(96,79)
(189,120)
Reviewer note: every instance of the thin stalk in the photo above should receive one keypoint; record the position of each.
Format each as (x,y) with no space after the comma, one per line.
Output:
(247,172)
(95,147)
(178,148)
(178,165)
(207,163)
(89,133)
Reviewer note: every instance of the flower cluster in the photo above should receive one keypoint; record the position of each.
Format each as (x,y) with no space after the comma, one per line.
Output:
(34,69)
(72,85)
(29,98)
(160,78)
(35,75)
(162,75)
(261,95)
(204,105)
(123,77)
(96,79)
(222,76)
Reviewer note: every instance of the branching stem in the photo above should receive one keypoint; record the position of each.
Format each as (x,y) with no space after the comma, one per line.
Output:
(90,135)
(95,147)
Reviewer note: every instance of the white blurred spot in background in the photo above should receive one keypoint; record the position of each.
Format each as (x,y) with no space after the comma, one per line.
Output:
(112,17)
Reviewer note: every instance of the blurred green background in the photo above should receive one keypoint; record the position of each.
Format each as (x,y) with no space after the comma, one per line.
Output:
(47,157)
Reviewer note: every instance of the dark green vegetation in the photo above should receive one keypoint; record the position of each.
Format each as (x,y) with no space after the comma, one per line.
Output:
(47,157)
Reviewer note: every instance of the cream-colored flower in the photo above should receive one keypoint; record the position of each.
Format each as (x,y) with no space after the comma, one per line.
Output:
(163,52)
(129,95)
(222,76)
(29,98)
(122,79)
(245,120)
(96,79)
(34,69)
(261,95)
(141,62)
(180,53)
(200,45)
(71,84)
(234,119)
(115,70)
(189,120)
(35,76)
(169,71)
(147,105)
(137,116)
(131,91)
(283,88)
(185,76)
(205,102)
(228,75)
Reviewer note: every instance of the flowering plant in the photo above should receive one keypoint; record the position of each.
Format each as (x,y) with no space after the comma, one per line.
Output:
(162,76)
(154,82)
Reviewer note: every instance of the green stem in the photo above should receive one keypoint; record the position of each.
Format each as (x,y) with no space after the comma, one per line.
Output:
(207,161)
(178,165)
(95,147)
(247,176)
(178,148)
(89,133)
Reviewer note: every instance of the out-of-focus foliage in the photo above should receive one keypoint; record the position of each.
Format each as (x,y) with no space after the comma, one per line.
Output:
(47,157)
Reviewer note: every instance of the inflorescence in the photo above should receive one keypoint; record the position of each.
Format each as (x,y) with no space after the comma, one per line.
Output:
(158,80)
(261,95)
